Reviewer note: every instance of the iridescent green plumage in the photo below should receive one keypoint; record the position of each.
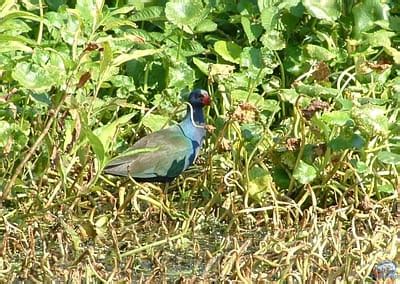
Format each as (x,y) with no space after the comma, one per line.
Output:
(163,155)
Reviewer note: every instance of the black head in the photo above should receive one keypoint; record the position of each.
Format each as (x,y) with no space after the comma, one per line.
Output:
(199,98)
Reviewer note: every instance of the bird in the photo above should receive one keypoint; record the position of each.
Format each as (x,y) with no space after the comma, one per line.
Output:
(163,155)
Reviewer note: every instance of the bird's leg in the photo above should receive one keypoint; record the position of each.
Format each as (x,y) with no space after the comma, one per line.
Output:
(164,194)
(131,193)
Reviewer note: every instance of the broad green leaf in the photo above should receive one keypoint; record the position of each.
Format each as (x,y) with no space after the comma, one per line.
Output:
(389,158)
(280,177)
(386,189)
(253,31)
(394,53)
(134,55)
(107,132)
(41,99)
(55,4)
(339,118)
(96,144)
(203,66)
(304,173)
(191,48)
(366,13)
(152,13)
(244,96)
(269,105)
(251,133)
(371,120)
(325,10)
(20,15)
(269,18)
(221,71)
(251,57)
(379,38)
(259,182)
(185,12)
(319,53)
(89,10)
(273,40)
(316,90)
(106,61)
(5,38)
(394,23)
(247,29)
(14,27)
(111,23)
(32,76)
(68,25)
(288,95)
(13,45)
(292,6)
(123,10)
(181,76)
(206,26)
(155,122)
(229,51)
(361,167)
(347,141)
(5,128)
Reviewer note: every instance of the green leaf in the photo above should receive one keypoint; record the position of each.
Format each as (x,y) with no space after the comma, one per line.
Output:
(281,177)
(269,18)
(247,29)
(107,132)
(89,10)
(304,173)
(366,13)
(251,57)
(155,122)
(203,66)
(324,10)
(371,120)
(319,53)
(253,30)
(14,27)
(389,158)
(181,76)
(379,38)
(206,26)
(394,53)
(316,90)
(106,60)
(5,128)
(19,14)
(152,13)
(288,95)
(273,40)
(259,182)
(229,51)
(185,12)
(32,76)
(339,118)
(96,144)
(347,141)
(386,189)
(134,55)
(10,43)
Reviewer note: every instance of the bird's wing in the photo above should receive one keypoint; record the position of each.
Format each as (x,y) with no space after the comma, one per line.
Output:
(165,153)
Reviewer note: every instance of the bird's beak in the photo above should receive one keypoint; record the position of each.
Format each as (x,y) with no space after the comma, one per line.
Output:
(206,100)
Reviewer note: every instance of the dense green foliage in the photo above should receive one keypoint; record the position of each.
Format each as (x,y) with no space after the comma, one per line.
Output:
(305,114)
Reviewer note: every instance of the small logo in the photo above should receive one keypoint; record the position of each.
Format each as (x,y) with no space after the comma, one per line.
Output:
(385,272)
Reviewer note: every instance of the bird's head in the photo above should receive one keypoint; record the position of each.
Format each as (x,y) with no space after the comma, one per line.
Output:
(199,98)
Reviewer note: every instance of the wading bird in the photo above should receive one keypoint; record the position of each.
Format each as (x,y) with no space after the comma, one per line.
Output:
(163,155)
